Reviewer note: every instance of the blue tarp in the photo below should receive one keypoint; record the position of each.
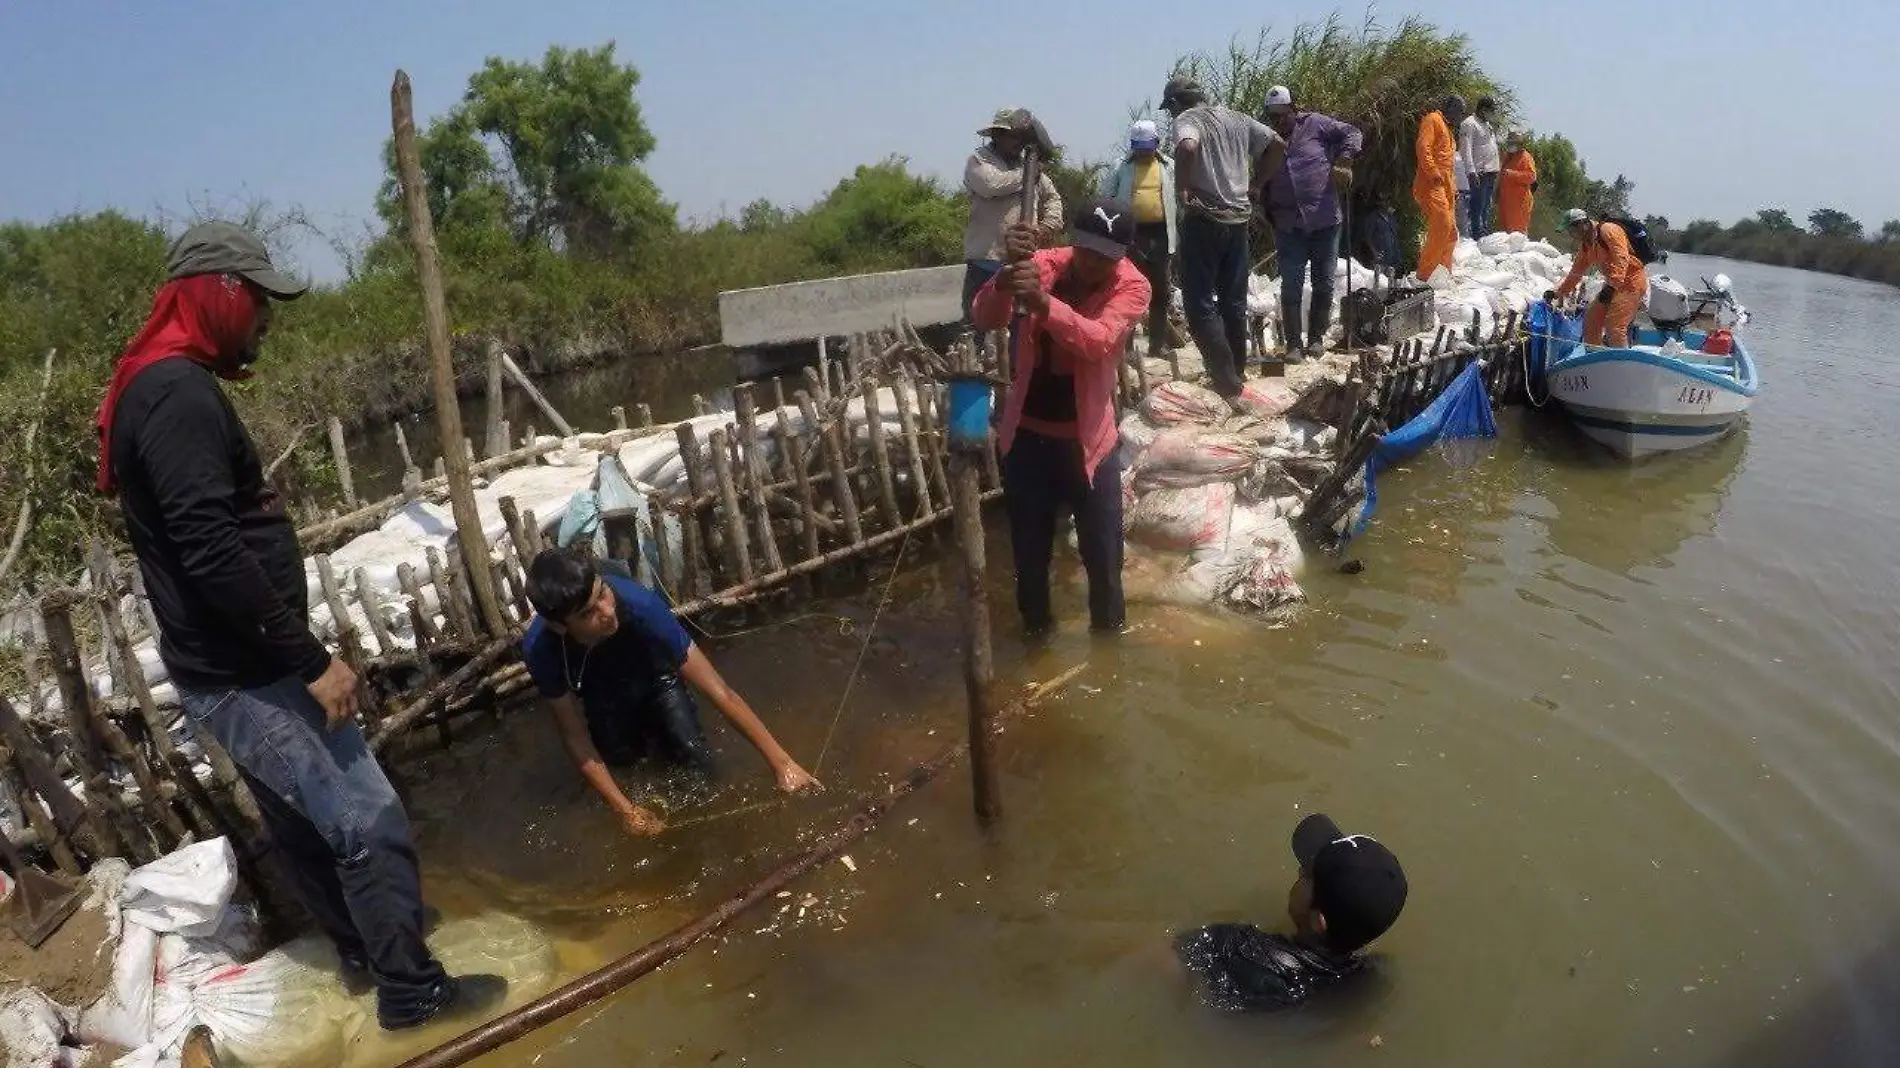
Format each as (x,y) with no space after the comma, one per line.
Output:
(614,491)
(1463,410)
(1553,336)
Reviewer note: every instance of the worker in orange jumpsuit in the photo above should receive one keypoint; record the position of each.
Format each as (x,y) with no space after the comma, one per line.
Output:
(1516,185)
(1605,246)
(1434,185)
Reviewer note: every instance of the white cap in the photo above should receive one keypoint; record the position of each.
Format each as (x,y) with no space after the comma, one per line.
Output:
(1279,97)
(1144,132)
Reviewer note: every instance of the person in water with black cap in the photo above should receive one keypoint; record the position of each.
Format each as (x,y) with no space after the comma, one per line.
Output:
(1350,891)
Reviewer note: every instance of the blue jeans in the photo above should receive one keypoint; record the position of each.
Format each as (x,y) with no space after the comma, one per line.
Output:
(1484,193)
(1380,229)
(1463,213)
(1215,265)
(976,273)
(1042,476)
(1300,250)
(338,829)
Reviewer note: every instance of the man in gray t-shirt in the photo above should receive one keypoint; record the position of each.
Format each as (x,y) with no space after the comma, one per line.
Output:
(1221,157)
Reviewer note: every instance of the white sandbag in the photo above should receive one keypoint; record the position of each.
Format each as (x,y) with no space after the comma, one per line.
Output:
(1137,433)
(123,1016)
(1464,252)
(1262,432)
(1496,244)
(1266,398)
(33,1031)
(1543,248)
(1441,280)
(184,891)
(286,1009)
(1515,242)
(1493,279)
(1181,519)
(1173,403)
(1191,456)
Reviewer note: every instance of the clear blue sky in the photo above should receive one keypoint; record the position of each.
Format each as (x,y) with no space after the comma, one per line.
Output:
(1714,109)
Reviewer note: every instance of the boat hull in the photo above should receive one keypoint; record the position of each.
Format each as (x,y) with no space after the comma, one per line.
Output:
(1637,403)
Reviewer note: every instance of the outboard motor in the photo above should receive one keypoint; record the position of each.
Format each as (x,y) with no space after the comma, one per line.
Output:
(1668,305)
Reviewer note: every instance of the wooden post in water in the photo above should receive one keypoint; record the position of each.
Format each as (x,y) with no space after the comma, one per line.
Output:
(880,454)
(534,394)
(756,475)
(979,673)
(342,457)
(732,522)
(435,316)
(495,436)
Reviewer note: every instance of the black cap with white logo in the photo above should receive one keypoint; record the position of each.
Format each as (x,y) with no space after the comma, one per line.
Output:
(1357,882)
(1105,227)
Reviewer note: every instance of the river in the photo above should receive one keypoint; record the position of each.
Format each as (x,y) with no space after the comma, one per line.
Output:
(1634,732)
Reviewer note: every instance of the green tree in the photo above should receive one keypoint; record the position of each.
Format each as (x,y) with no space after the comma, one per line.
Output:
(1775,221)
(1656,224)
(1890,230)
(1076,183)
(1833,222)
(550,151)
(883,217)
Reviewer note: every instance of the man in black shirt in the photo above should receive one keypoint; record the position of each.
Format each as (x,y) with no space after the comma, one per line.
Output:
(226,577)
(1349,891)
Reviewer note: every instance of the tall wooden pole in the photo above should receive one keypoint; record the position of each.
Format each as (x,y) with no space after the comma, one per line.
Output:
(979,671)
(435,317)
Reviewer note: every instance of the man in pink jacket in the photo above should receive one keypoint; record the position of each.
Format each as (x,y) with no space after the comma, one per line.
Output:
(1058,435)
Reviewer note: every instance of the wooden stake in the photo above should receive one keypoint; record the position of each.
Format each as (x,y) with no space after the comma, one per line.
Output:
(792,447)
(367,596)
(644,412)
(833,444)
(531,527)
(72,816)
(620,417)
(755,472)
(979,676)
(396,724)
(730,520)
(495,437)
(119,646)
(818,385)
(421,618)
(700,407)
(517,531)
(75,693)
(778,397)
(435,315)
(341,454)
(42,828)
(920,482)
(439,576)
(693,553)
(880,454)
(936,439)
(561,425)
(663,570)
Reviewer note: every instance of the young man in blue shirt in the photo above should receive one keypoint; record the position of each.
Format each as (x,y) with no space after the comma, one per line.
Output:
(613,663)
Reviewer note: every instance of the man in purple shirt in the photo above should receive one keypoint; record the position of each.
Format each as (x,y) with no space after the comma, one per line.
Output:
(1303,203)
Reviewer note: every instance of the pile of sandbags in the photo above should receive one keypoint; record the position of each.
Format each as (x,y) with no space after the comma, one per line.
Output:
(1209,481)
(1492,277)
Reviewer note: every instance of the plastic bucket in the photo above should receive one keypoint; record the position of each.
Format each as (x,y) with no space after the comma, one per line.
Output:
(970,399)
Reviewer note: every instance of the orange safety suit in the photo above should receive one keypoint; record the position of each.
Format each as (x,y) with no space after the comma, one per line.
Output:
(1434,188)
(1514,192)
(1608,249)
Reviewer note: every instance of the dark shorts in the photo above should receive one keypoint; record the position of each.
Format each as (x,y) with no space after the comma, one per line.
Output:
(660,722)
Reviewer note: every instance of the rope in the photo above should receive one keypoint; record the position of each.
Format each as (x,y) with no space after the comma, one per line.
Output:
(846,626)
(858,667)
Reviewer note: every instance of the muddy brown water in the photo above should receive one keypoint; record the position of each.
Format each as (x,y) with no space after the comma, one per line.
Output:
(1633,731)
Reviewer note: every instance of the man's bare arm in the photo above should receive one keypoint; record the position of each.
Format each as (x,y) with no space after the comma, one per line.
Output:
(580,747)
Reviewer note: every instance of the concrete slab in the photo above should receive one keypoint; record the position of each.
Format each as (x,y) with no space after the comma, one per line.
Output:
(831,307)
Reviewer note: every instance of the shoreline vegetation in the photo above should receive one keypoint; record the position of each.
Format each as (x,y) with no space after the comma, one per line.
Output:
(555,241)
(1833,242)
